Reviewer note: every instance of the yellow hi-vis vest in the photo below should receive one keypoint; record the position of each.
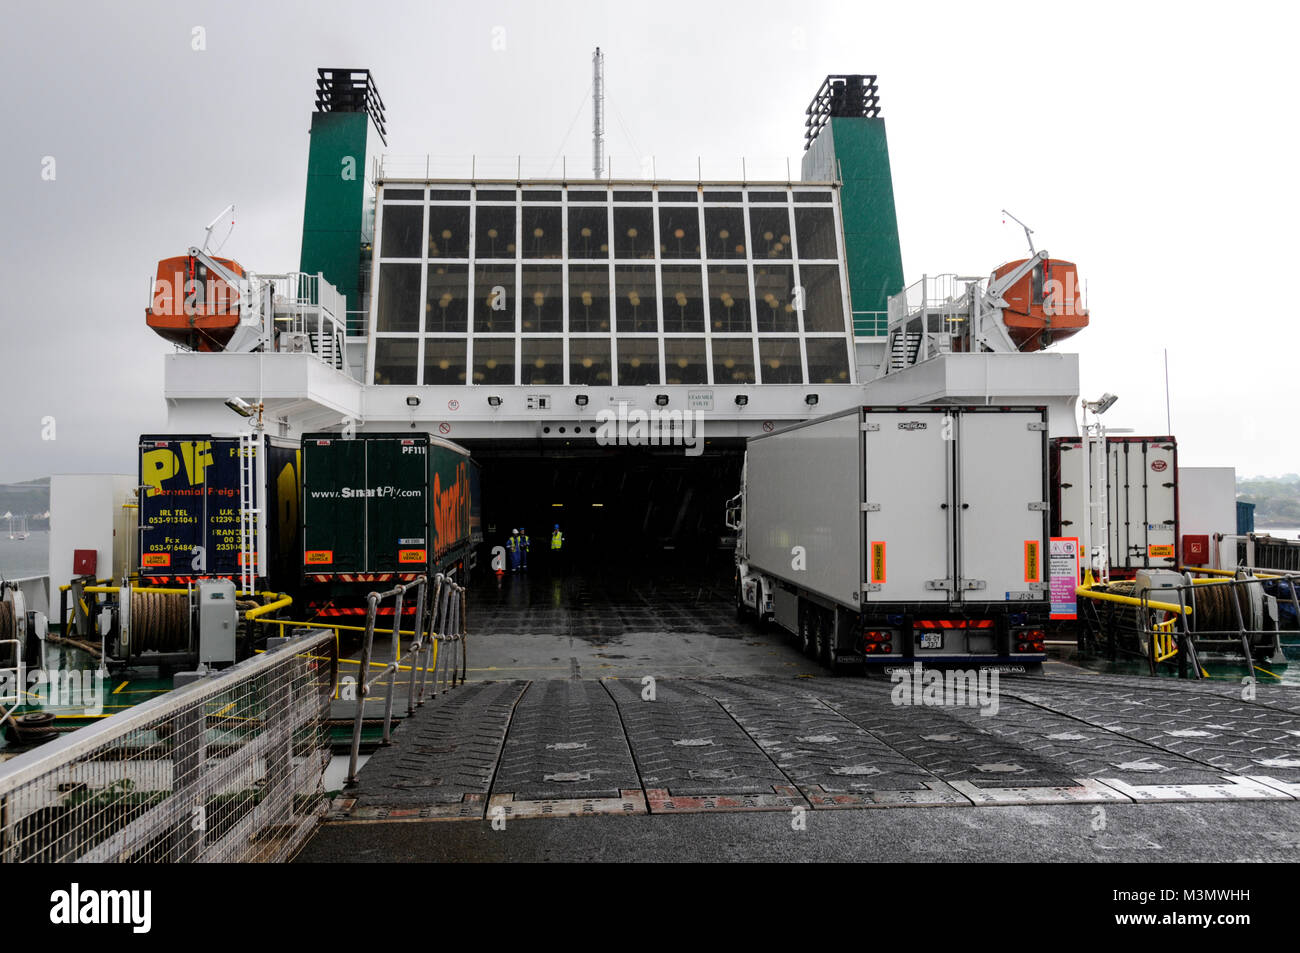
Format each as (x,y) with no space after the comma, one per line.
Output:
(557,538)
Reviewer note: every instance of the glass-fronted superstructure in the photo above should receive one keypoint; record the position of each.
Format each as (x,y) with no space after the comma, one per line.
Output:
(599,283)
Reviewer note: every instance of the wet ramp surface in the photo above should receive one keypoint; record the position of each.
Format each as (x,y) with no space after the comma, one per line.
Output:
(574,746)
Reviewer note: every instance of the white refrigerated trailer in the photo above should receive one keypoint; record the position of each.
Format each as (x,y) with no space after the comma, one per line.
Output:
(1135,508)
(889,535)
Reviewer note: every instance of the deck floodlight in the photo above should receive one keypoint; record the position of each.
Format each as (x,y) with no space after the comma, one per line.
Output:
(494,401)
(661,400)
(241,407)
(412,401)
(1103,404)
(742,400)
(580,400)
(810,400)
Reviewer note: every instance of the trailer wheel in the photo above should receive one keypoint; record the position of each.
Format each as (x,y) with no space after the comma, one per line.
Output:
(825,633)
(742,610)
(807,632)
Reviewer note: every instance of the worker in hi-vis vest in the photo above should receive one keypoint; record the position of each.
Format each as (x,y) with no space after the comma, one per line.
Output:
(557,543)
(512,546)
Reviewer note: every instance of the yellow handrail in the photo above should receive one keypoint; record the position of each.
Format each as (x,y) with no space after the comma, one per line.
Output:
(255,614)
(1130,600)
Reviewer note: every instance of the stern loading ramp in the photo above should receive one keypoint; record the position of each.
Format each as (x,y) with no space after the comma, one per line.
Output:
(581,747)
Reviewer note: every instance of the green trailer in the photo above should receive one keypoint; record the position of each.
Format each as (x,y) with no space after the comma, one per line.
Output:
(383,508)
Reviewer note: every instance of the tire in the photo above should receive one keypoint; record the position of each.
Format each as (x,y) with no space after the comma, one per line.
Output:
(825,642)
(807,633)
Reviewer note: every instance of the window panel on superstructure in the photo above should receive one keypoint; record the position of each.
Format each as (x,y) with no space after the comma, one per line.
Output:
(679,232)
(589,361)
(769,230)
(395,360)
(828,360)
(683,294)
(815,229)
(541,299)
(448,231)
(636,303)
(403,228)
(733,360)
(724,230)
(588,298)
(779,361)
(444,360)
(588,232)
(445,299)
(494,231)
(494,361)
(398,308)
(774,306)
(729,298)
(685,361)
(638,361)
(634,235)
(541,361)
(494,298)
(823,298)
(542,231)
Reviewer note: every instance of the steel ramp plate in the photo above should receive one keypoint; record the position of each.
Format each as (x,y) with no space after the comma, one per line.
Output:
(472,807)
(1085,791)
(1235,789)
(782,798)
(933,794)
(1289,788)
(505,806)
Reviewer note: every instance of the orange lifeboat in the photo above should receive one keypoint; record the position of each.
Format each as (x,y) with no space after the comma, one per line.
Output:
(1045,306)
(193,306)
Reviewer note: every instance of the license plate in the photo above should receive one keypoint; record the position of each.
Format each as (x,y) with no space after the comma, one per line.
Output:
(931,640)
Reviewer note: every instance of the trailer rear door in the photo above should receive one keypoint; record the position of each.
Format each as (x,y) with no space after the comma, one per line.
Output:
(908,488)
(1142,503)
(397,511)
(334,505)
(1002,516)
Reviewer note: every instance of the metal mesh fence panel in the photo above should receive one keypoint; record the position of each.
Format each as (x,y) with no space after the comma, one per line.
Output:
(226,769)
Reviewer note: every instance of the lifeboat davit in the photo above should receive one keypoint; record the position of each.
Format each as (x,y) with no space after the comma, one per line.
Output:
(193,306)
(1045,306)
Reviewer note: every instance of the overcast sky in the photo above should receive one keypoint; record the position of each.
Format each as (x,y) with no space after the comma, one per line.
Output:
(1153,144)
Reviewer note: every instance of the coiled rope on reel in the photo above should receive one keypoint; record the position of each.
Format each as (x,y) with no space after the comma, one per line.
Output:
(160,621)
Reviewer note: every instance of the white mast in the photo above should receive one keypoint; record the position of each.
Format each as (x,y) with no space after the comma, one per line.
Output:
(598,114)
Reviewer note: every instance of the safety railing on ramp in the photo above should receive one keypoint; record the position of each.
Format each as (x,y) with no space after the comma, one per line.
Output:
(444,614)
(228,768)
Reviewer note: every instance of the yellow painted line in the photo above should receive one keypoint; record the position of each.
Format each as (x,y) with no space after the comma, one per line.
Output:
(224,710)
(118,690)
(1267,672)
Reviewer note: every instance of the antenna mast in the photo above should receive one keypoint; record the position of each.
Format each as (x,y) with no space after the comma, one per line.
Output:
(598,114)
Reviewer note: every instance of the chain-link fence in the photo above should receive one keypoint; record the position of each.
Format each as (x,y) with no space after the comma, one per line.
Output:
(228,768)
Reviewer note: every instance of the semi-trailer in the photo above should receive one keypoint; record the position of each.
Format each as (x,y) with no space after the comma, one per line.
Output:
(891,535)
(1131,500)
(201,504)
(383,508)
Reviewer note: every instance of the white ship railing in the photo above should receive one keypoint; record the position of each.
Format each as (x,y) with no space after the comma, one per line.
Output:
(559,168)
(229,768)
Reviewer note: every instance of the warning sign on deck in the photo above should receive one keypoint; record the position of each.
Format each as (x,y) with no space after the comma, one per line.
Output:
(412,556)
(157,559)
(318,557)
(1063,571)
(878,562)
(1166,550)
